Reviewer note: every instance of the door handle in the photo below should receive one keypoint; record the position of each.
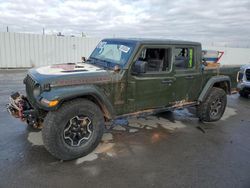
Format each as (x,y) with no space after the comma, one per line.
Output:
(169,82)
(189,77)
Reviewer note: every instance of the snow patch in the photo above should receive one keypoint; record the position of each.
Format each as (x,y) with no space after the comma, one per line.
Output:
(35,138)
(133,130)
(173,126)
(119,128)
(105,148)
(107,137)
(228,113)
(89,157)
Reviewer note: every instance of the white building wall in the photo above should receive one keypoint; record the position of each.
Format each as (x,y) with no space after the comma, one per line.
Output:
(232,56)
(18,50)
(26,50)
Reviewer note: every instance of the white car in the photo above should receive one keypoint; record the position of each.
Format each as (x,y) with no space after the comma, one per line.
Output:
(243,79)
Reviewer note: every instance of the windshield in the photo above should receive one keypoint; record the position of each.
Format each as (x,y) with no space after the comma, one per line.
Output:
(111,53)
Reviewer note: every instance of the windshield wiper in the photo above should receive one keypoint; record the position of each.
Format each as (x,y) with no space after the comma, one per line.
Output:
(88,60)
(107,63)
(97,61)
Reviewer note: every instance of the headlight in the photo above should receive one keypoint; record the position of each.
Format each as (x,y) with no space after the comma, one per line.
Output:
(37,90)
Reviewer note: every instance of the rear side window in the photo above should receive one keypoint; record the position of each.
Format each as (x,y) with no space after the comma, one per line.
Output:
(184,58)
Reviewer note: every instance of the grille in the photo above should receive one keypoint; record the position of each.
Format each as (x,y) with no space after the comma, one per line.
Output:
(248,74)
(30,84)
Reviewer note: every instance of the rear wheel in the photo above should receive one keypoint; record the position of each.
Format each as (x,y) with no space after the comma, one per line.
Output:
(74,130)
(214,106)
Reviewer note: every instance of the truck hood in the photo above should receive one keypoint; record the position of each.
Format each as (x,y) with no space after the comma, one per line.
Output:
(70,74)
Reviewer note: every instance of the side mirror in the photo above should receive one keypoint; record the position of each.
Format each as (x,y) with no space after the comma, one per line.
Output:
(140,67)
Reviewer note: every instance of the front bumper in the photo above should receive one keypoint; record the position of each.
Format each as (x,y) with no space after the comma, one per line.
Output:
(19,107)
(244,86)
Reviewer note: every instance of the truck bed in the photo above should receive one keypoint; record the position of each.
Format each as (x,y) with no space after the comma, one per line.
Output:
(227,70)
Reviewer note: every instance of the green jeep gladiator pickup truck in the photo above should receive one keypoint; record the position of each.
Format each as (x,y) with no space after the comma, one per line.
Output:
(122,77)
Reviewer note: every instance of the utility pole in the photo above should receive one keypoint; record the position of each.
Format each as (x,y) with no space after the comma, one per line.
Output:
(7,29)
(43,31)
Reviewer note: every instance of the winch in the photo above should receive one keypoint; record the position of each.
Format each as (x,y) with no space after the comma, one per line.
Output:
(19,107)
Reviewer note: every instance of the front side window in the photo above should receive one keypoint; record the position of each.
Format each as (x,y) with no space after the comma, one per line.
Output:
(184,58)
(157,59)
(113,52)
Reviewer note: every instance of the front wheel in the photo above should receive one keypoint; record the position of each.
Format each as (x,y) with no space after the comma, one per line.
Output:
(214,105)
(74,130)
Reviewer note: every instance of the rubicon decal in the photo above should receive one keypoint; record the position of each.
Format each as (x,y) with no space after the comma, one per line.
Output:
(100,79)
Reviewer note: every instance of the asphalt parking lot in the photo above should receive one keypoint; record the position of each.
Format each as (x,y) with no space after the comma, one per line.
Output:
(167,150)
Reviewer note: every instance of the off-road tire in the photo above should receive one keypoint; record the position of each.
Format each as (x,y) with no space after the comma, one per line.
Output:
(204,109)
(243,94)
(54,126)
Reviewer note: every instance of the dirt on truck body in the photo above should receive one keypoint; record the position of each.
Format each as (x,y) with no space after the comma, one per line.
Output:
(122,77)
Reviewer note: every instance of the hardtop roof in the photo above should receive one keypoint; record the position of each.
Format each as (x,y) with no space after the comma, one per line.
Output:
(153,41)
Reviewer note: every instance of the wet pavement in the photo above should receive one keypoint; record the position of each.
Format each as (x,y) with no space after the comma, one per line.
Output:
(172,149)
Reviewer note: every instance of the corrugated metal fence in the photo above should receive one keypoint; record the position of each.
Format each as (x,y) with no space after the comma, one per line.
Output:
(18,50)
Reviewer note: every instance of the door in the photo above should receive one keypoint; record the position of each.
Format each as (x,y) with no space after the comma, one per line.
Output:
(153,88)
(187,73)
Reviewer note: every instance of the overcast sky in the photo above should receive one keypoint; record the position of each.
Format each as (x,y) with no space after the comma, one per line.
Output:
(220,21)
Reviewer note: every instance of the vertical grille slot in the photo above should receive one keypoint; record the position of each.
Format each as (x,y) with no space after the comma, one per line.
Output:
(30,84)
(29,81)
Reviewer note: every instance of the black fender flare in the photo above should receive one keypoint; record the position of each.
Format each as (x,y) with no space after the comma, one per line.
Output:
(64,94)
(211,82)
